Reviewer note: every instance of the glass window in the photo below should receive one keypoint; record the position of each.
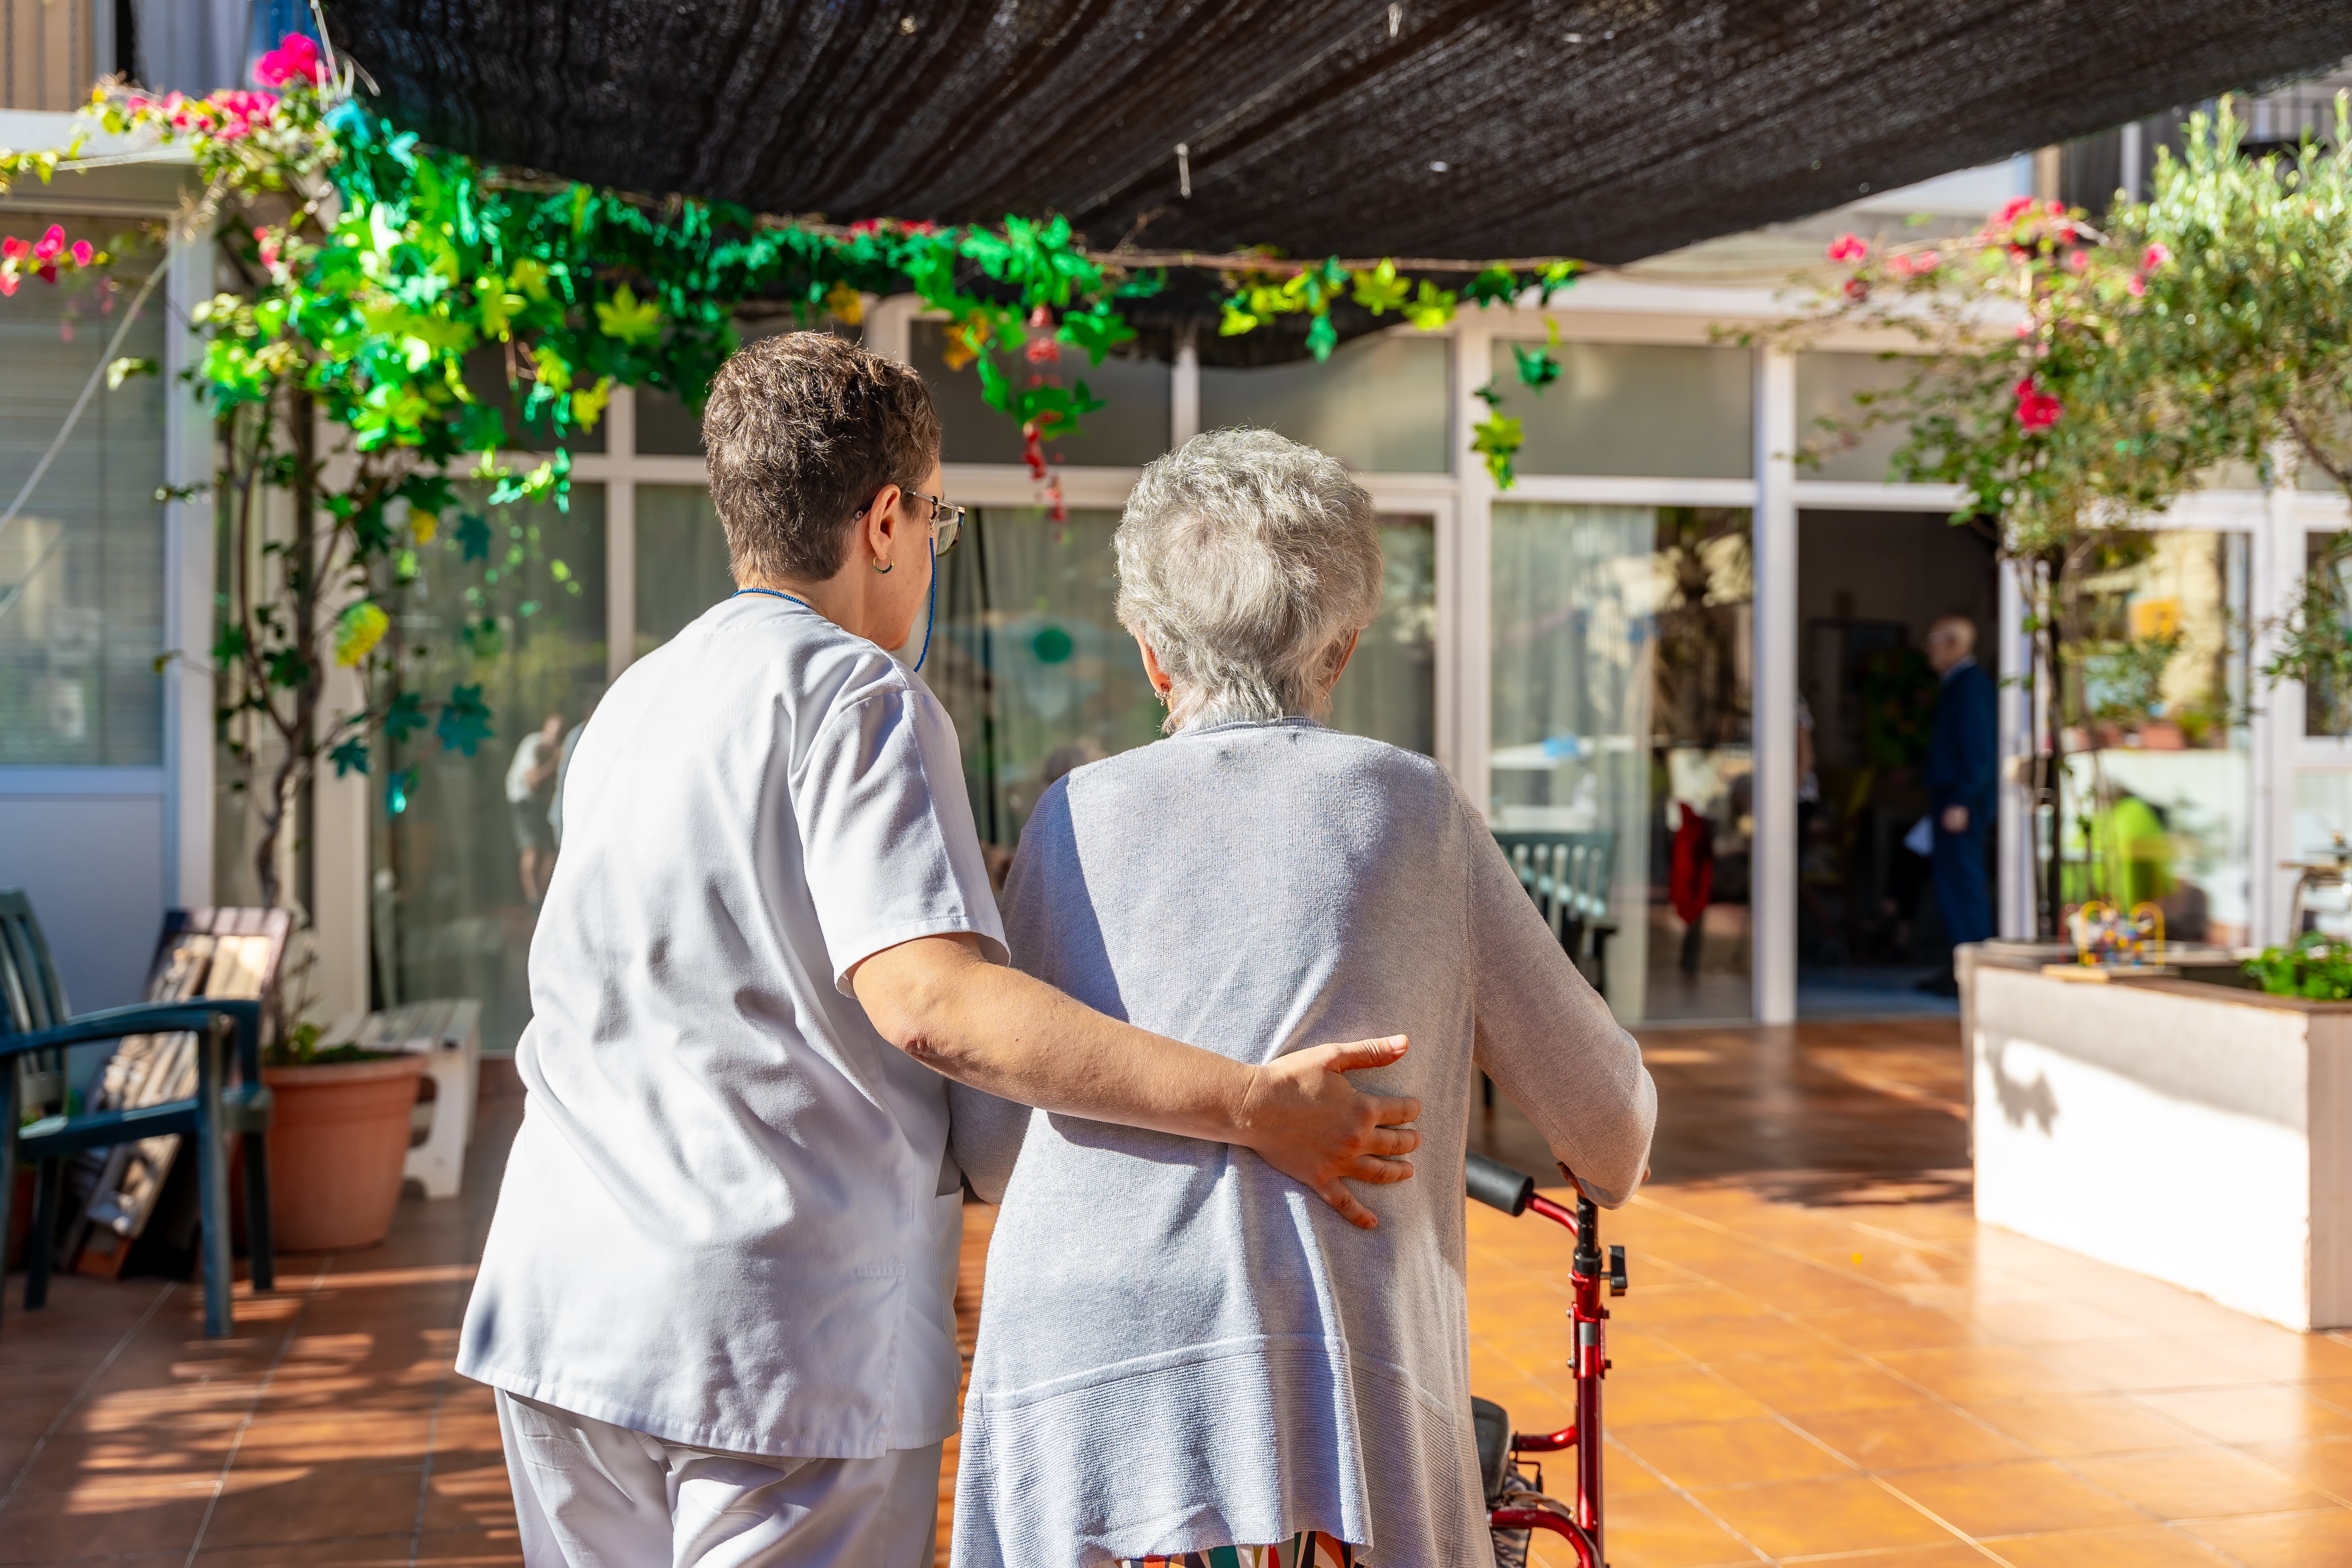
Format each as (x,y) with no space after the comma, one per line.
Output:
(1620,706)
(2157,778)
(1636,409)
(1378,404)
(1826,386)
(681,561)
(1031,660)
(1130,430)
(469,841)
(1390,688)
(2327,707)
(81,566)
(665,427)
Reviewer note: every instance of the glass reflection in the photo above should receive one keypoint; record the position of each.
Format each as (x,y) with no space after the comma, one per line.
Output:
(1620,706)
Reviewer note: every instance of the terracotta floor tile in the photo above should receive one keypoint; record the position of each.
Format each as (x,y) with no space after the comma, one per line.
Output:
(468,1549)
(2281,1539)
(1715,1340)
(1661,1529)
(2194,1483)
(40,1526)
(1952,1556)
(1827,1382)
(476,1498)
(349,1551)
(2133,1364)
(2255,1415)
(1965,1374)
(2013,1498)
(1622,1474)
(1845,1514)
(2127,1546)
(2066,1425)
(1655,1398)
(1909,1436)
(2322,1462)
(1728,1453)
(1894,1328)
(2050,1322)
(1680,1303)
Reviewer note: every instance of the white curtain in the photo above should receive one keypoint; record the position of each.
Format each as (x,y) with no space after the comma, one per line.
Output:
(194,46)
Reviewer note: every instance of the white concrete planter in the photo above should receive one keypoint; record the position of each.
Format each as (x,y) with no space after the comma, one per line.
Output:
(2190,1131)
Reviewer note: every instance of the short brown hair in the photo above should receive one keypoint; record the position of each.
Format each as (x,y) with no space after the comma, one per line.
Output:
(801,430)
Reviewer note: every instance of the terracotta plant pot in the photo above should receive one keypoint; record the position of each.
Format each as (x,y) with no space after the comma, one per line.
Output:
(336,1145)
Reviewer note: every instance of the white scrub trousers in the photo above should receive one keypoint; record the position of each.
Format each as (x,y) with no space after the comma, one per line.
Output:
(589,1494)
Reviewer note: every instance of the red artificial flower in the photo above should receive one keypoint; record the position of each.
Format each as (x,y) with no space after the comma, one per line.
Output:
(1914,264)
(1857,289)
(295,57)
(2154,257)
(2018,207)
(51,245)
(82,253)
(7,284)
(11,247)
(2137,285)
(268,243)
(1848,248)
(2078,262)
(2036,410)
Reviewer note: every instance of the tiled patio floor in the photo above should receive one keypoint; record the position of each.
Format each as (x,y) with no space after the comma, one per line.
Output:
(1822,1359)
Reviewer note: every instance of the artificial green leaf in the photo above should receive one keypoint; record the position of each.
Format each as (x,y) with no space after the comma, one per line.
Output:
(402,717)
(1498,438)
(121,370)
(627,319)
(465,722)
(1432,308)
(1321,338)
(1380,290)
(474,536)
(1537,367)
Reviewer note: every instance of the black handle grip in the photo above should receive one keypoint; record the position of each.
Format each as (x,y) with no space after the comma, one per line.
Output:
(1496,1185)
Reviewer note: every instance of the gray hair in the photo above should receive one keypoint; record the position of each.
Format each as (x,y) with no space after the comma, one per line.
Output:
(1247,561)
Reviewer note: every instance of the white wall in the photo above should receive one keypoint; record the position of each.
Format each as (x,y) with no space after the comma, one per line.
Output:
(91,852)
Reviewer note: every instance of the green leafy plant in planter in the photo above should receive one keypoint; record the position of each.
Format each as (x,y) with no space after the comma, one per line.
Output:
(2318,967)
(298,1047)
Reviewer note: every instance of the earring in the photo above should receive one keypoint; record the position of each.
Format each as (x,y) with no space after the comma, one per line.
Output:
(882,566)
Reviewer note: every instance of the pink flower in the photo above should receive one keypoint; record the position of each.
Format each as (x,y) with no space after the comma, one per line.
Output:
(82,252)
(7,284)
(268,243)
(1848,248)
(2036,410)
(1857,289)
(2137,285)
(2018,207)
(51,245)
(2078,262)
(2154,257)
(11,247)
(296,57)
(1914,264)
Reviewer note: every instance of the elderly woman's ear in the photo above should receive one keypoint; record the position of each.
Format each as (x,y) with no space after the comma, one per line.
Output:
(1160,680)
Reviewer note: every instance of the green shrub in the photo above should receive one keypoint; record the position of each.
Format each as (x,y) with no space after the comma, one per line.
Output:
(2317,966)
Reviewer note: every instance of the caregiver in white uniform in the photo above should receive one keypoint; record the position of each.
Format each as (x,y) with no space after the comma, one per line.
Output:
(717,1298)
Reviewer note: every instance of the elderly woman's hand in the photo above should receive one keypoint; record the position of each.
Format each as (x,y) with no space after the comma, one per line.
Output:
(1305,1119)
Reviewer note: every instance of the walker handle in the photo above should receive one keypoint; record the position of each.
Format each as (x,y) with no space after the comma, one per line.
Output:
(1498,1185)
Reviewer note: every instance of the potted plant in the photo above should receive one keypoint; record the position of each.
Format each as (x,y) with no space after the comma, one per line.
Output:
(338,1139)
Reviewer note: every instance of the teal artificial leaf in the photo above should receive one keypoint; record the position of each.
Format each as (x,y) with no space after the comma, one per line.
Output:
(465,722)
(1322,338)
(474,536)
(350,757)
(403,717)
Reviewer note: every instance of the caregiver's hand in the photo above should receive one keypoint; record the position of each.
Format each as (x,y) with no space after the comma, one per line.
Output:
(1307,1121)
(1013,1036)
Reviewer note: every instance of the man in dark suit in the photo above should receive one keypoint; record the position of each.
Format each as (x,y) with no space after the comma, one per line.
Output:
(1962,762)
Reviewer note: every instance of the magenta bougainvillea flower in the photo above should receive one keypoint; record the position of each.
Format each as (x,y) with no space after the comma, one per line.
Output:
(295,57)
(1848,248)
(82,252)
(2154,257)
(51,245)
(2036,409)
(1913,263)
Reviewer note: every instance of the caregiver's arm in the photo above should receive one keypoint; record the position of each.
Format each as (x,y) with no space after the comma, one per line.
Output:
(997,1029)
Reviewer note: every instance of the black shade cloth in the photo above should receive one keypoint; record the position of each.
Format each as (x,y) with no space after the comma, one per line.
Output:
(1310,126)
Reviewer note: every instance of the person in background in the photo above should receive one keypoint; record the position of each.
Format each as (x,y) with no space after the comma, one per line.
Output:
(1963,746)
(528,779)
(563,770)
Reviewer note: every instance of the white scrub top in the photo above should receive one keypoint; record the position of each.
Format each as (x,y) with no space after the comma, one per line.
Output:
(730,1219)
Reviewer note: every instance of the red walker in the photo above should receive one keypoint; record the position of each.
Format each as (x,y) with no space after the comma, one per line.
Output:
(1514,1506)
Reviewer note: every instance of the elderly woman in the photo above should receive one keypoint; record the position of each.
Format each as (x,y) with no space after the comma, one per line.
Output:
(1178,1354)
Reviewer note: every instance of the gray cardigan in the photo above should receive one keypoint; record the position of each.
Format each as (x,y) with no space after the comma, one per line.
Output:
(1180,1347)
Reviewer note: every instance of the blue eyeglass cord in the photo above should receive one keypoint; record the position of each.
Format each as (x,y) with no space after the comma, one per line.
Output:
(929,621)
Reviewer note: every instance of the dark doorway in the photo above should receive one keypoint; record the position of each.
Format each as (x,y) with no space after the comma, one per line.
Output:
(1868,584)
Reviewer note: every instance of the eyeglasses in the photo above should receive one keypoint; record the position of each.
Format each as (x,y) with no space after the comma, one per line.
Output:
(947,522)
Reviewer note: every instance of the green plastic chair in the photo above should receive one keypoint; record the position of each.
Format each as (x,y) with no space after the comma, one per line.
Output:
(36,1028)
